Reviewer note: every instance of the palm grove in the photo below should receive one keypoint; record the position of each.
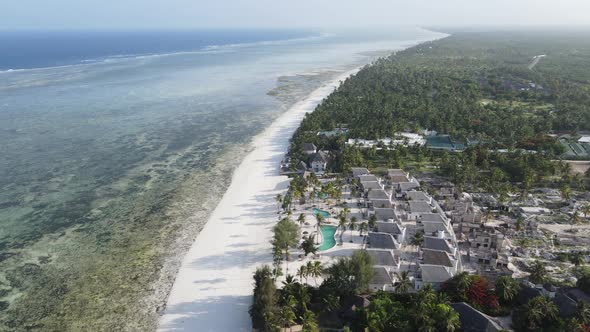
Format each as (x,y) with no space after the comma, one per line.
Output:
(475,87)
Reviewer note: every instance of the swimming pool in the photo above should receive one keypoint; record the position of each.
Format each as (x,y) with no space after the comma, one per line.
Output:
(328,233)
(323,213)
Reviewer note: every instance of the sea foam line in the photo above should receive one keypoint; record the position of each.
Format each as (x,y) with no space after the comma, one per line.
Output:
(209,49)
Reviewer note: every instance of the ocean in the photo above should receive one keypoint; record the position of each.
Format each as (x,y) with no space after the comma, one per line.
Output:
(116,146)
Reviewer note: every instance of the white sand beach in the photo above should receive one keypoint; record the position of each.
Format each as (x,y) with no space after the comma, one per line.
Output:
(212,291)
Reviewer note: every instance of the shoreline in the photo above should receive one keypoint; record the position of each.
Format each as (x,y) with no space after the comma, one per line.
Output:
(214,281)
(215,278)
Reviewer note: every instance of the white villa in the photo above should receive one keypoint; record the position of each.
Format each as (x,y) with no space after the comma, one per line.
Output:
(405,139)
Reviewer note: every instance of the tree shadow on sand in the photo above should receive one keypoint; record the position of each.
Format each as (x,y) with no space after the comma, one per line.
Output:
(223,313)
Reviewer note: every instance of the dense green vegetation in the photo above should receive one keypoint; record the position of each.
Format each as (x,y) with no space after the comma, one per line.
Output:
(469,85)
(473,86)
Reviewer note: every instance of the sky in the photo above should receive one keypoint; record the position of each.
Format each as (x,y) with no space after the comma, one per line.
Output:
(173,14)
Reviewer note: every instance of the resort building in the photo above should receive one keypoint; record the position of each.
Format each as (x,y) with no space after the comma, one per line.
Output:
(394,228)
(417,208)
(439,243)
(378,194)
(371,185)
(386,264)
(382,280)
(379,240)
(397,175)
(403,139)
(358,171)
(309,149)
(473,320)
(319,162)
(384,214)
(380,203)
(417,196)
(368,178)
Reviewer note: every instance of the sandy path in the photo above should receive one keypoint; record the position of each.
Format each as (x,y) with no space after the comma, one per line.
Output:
(535,61)
(212,291)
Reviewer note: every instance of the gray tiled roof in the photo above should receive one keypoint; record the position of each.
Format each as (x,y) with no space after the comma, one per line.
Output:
(419,206)
(373,185)
(436,257)
(436,243)
(368,177)
(431,217)
(405,186)
(320,157)
(395,172)
(382,241)
(383,257)
(381,276)
(433,227)
(388,227)
(357,171)
(417,196)
(381,203)
(309,147)
(384,213)
(379,194)
(434,273)
(474,321)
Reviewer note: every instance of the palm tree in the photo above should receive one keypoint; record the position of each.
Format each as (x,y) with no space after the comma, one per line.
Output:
(289,281)
(507,288)
(586,210)
(404,284)
(418,239)
(372,221)
(342,225)
(279,200)
(309,321)
(577,258)
(519,223)
(575,219)
(301,219)
(312,196)
(352,226)
(565,192)
(315,270)
(583,312)
(363,227)
(302,273)
(447,319)
(538,272)
(345,212)
(565,168)
(287,313)
(538,310)
(320,220)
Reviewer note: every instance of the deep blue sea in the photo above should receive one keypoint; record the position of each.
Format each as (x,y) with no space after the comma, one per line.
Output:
(116,146)
(32,49)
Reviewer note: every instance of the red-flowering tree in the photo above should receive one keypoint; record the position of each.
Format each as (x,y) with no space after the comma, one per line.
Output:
(480,295)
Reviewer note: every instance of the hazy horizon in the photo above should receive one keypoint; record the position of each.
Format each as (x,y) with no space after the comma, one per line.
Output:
(186,14)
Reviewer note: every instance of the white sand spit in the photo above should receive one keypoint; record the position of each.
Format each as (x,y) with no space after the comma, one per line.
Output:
(213,289)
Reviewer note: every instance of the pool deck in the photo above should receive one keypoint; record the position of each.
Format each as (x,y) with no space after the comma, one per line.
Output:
(326,257)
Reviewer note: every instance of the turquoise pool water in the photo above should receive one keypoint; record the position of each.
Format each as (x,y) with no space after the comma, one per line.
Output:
(317,211)
(328,233)
(322,195)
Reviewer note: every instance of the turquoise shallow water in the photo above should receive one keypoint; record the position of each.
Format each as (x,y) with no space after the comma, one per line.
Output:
(323,213)
(328,233)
